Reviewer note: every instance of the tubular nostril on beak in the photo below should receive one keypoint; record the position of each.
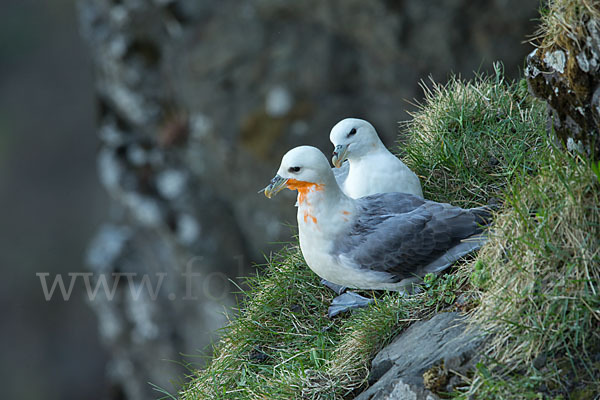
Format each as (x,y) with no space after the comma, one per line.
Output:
(276,184)
(339,155)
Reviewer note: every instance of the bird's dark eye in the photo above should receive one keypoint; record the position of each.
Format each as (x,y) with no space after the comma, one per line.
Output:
(294,169)
(352,132)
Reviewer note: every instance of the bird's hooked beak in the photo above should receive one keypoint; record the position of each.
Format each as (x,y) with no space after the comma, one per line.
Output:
(277,183)
(339,155)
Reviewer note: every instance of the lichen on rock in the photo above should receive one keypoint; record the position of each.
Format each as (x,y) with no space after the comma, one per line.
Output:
(564,71)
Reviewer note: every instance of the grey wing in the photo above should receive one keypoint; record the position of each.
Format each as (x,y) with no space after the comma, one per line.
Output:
(388,203)
(341,173)
(410,243)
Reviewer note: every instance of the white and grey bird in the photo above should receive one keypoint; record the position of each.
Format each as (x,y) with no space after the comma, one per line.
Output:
(371,167)
(383,241)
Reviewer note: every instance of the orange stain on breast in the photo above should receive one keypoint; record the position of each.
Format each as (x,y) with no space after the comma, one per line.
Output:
(307,215)
(345,214)
(303,188)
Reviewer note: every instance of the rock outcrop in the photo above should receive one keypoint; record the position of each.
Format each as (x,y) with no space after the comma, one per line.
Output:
(428,358)
(565,72)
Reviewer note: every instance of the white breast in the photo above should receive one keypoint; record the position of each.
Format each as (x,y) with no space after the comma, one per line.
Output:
(319,223)
(340,270)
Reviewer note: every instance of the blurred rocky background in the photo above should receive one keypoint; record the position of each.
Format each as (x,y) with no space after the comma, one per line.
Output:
(50,202)
(147,173)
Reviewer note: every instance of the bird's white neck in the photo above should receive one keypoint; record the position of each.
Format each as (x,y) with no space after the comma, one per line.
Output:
(323,207)
(366,159)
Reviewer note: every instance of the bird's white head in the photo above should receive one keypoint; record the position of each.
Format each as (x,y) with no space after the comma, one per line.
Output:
(303,168)
(352,138)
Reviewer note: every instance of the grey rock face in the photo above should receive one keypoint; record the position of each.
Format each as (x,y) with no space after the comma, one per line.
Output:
(198,101)
(442,342)
(568,79)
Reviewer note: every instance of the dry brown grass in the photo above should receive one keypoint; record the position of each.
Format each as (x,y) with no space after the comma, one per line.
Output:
(542,265)
(564,23)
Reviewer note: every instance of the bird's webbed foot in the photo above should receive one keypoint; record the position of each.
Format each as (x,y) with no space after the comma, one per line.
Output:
(347,301)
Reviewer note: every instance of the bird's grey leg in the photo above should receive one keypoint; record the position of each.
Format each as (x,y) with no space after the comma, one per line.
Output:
(347,301)
(339,289)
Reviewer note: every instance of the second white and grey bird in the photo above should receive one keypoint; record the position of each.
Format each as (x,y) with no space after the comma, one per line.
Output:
(370,167)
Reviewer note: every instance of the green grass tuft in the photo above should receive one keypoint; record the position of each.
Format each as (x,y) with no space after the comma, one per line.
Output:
(468,139)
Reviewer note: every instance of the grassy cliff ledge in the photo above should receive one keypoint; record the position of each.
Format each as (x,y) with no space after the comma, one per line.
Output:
(533,288)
